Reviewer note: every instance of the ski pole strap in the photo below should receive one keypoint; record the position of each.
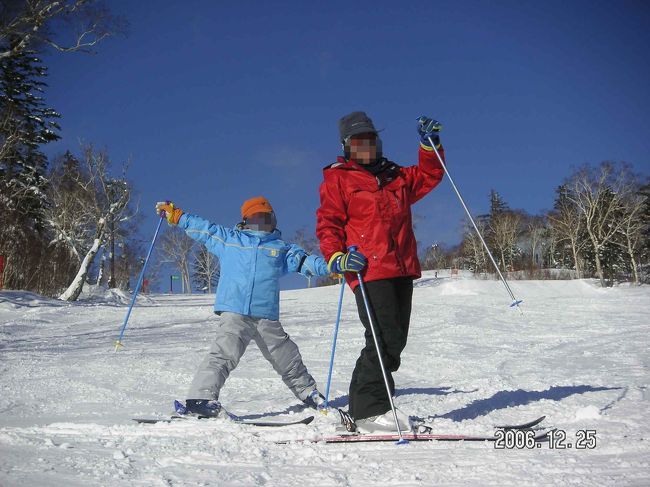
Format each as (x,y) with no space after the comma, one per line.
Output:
(302,261)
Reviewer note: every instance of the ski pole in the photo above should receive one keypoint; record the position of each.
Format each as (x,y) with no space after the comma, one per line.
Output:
(118,342)
(401,441)
(515,301)
(336,332)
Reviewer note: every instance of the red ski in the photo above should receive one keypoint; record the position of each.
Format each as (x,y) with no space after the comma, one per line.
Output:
(359,438)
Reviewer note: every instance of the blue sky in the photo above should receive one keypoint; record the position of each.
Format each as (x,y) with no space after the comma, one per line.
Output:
(216,101)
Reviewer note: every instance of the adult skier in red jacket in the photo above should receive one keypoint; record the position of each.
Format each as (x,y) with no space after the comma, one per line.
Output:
(366,202)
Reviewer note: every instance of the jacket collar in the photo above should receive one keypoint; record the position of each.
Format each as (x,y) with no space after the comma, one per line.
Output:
(383,178)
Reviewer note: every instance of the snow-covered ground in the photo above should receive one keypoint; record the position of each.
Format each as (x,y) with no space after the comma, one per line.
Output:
(578,354)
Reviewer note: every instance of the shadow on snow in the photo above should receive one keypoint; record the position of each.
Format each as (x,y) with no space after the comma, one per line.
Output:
(480,407)
(506,399)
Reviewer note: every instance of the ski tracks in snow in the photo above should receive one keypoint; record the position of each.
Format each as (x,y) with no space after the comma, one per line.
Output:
(578,354)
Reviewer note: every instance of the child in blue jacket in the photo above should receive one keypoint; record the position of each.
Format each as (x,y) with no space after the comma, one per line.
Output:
(253,257)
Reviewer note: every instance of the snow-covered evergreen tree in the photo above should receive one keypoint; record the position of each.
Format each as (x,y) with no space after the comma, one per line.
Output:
(27,123)
(497,204)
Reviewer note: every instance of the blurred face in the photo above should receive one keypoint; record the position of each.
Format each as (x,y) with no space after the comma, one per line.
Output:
(261,222)
(363,148)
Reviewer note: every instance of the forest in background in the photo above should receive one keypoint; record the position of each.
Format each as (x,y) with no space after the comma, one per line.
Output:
(73,219)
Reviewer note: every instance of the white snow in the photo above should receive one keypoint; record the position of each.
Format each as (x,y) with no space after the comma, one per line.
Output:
(578,354)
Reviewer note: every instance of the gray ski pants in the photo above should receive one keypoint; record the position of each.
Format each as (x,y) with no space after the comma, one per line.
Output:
(233,336)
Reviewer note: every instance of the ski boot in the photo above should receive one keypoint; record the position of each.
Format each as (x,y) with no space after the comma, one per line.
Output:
(315,400)
(203,408)
(384,423)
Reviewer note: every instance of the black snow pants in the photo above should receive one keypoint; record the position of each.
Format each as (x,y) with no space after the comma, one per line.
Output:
(390,303)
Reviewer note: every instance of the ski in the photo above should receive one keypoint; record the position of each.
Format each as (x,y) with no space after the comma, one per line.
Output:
(423,428)
(363,438)
(425,433)
(181,413)
(522,426)
(252,422)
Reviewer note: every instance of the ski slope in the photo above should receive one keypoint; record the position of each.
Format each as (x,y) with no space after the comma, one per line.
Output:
(578,354)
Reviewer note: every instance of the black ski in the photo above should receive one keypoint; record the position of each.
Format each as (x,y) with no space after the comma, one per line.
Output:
(522,426)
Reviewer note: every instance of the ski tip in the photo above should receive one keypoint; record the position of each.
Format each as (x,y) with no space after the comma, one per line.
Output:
(153,420)
(516,303)
(180,407)
(527,425)
(544,435)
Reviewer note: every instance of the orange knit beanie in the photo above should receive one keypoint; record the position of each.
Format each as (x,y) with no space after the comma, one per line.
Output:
(259,204)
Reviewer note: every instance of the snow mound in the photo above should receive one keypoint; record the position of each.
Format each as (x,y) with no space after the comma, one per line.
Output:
(91,294)
(24,299)
(526,290)
(101,294)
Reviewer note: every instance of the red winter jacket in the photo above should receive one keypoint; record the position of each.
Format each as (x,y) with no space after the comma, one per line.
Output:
(374,213)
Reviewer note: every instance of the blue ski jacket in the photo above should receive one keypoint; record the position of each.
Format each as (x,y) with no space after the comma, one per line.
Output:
(251,266)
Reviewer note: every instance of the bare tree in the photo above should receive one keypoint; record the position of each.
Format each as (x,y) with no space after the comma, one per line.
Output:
(70,194)
(206,269)
(31,23)
(633,225)
(102,265)
(80,220)
(567,225)
(536,231)
(177,247)
(599,194)
(504,230)
(473,248)
(308,242)
(433,258)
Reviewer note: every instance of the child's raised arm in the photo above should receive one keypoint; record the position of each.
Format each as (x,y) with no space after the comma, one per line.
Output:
(213,236)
